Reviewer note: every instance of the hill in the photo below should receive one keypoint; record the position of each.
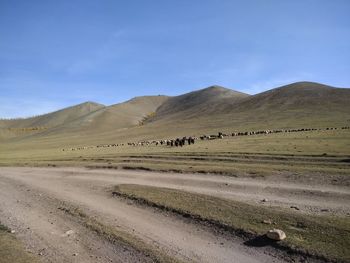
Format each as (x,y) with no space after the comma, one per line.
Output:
(301,104)
(296,105)
(111,119)
(54,118)
(115,117)
(22,127)
(299,95)
(204,101)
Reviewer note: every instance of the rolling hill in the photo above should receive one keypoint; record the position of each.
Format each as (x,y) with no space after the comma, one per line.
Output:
(301,104)
(54,118)
(23,127)
(201,102)
(83,119)
(113,118)
(301,95)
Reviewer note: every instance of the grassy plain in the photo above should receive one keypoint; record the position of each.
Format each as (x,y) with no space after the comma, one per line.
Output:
(323,155)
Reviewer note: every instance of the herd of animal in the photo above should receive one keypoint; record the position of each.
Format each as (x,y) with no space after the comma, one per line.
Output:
(180,142)
(169,142)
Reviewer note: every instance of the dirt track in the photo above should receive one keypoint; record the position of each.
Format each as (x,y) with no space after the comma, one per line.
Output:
(30,198)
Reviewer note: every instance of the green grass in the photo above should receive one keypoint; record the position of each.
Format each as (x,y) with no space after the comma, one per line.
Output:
(12,250)
(323,236)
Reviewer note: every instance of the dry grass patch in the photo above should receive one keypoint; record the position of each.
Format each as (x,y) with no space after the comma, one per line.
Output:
(12,250)
(325,237)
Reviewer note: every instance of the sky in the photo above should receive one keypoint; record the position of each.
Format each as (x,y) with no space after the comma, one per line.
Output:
(55,54)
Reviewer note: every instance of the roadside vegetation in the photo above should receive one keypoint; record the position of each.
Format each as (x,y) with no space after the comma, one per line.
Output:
(11,249)
(323,237)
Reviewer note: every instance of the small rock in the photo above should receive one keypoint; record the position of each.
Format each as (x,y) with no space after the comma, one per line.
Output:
(68,233)
(13,231)
(75,254)
(276,234)
(324,210)
(295,207)
(268,221)
(264,200)
(41,252)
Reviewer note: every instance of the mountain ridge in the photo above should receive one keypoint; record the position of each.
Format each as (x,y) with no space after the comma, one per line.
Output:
(196,102)
(71,112)
(298,85)
(208,109)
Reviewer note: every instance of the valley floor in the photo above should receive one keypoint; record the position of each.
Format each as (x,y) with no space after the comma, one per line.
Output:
(37,203)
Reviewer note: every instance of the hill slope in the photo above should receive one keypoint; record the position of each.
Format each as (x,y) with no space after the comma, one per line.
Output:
(193,104)
(299,95)
(121,115)
(108,119)
(23,127)
(302,104)
(299,104)
(54,118)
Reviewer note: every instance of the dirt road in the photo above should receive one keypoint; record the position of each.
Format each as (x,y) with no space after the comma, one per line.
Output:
(30,198)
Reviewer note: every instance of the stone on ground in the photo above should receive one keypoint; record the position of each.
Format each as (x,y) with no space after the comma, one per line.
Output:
(276,234)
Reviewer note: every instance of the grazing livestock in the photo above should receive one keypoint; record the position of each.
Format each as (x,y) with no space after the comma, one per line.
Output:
(191,140)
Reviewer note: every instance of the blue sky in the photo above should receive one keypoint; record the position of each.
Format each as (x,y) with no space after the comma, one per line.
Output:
(55,54)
